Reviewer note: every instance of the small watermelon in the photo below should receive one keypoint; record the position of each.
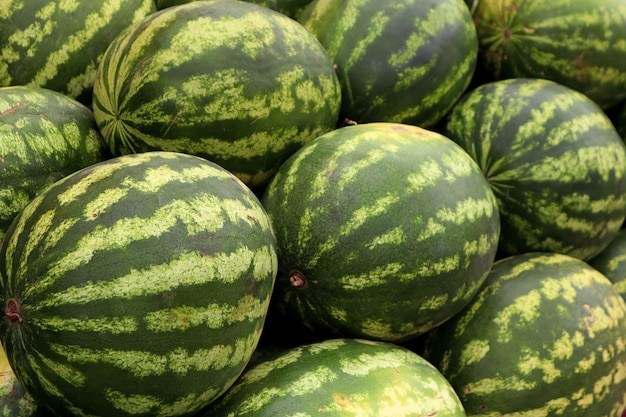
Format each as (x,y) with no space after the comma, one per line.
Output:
(136,286)
(44,136)
(544,336)
(397,61)
(384,230)
(57,44)
(340,377)
(577,43)
(236,83)
(555,162)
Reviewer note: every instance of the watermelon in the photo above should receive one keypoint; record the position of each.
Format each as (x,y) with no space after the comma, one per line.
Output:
(233,82)
(554,160)
(14,400)
(612,262)
(403,62)
(578,43)
(57,44)
(544,336)
(291,8)
(136,286)
(44,135)
(340,377)
(384,230)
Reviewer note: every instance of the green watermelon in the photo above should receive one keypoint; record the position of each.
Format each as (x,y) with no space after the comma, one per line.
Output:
(544,336)
(44,135)
(403,62)
(554,160)
(612,262)
(340,377)
(384,230)
(57,44)
(291,8)
(578,43)
(230,81)
(136,286)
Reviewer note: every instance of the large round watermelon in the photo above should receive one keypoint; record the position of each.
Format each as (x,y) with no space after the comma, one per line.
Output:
(136,286)
(234,82)
(397,61)
(340,377)
(384,230)
(57,44)
(577,43)
(554,160)
(544,336)
(44,136)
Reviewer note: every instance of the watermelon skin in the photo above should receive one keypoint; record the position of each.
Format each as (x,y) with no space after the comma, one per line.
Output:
(290,8)
(384,230)
(544,336)
(340,377)
(233,82)
(136,286)
(611,262)
(44,136)
(57,44)
(402,62)
(577,43)
(554,160)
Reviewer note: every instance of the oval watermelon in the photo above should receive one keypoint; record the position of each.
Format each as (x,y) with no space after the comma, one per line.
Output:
(136,286)
(230,81)
(544,336)
(403,62)
(44,136)
(384,230)
(57,44)
(554,160)
(577,43)
(340,377)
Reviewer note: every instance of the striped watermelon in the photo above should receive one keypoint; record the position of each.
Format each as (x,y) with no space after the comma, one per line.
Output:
(384,230)
(612,262)
(136,286)
(341,377)
(554,160)
(404,62)
(233,82)
(577,43)
(44,135)
(544,336)
(57,44)
(291,8)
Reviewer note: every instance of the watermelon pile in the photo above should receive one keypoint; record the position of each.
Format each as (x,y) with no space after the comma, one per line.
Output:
(313,208)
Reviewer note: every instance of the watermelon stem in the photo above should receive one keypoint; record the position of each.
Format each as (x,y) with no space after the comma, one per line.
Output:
(297,279)
(13,311)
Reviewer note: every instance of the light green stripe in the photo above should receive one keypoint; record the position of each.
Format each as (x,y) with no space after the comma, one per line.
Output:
(188,269)
(110,325)
(64,371)
(379,276)
(179,361)
(214,316)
